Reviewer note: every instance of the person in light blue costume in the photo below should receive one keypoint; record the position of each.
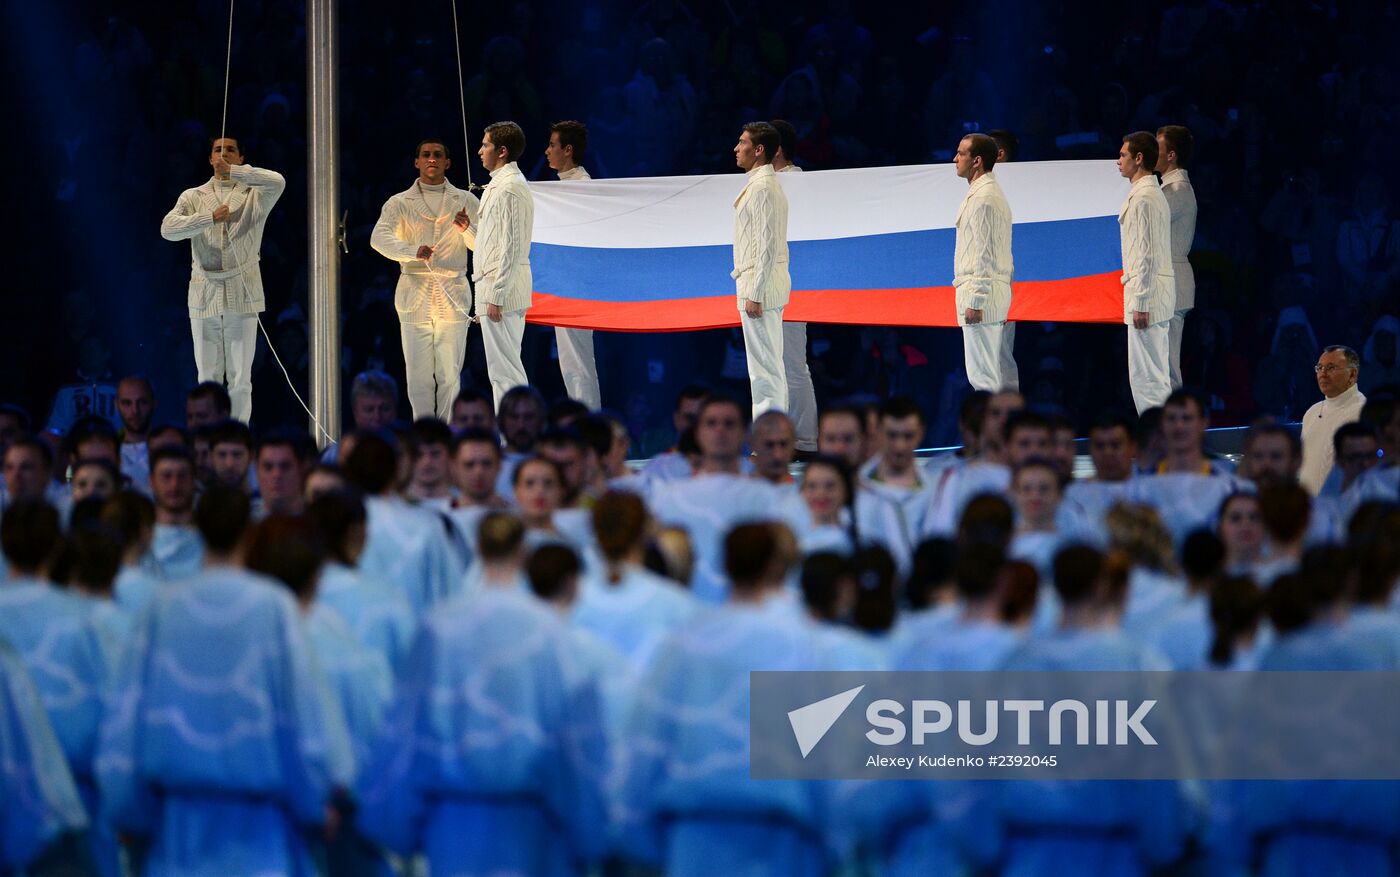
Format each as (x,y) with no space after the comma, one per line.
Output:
(92,555)
(1086,502)
(827,496)
(61,646)
(221,760)
(1187,487)
(491,759)
(894,474)
(624,603)
(132,515)
(405,546)
(716,497)
(359,681)
(1021,436)
(1285,509)
(1183,632)
(688,804)
(1280,829)
(1104,828)
(930,590)
(175,545)
(1155,586)
(39,804)
(829,599)
(376,615)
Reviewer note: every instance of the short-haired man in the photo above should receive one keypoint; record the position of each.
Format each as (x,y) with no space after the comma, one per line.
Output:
(982,269)
(521,419)
(1271,452)
(473,409)
(231,454)
(431,483)
(208,402)
(1356,448)
(761,276)
(374,401)
(281,473)
(841,433)
(136,405)
(672,465)
(1008,145)
(1174,147)
(423,229)
(1149,286)
(568,140)
(28,469)
(224,220)
(1112,448)
(802,394)
(1383,480)
(475,467)
(1337,371)
(1187,486)
(175,543)
(773,441)
(501,267)
(895,475)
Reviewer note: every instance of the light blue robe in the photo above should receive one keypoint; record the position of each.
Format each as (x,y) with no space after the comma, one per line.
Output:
(63,650)
(493,755)
(1152,594)
(224,758)
(177,551)
(1074,827)
(407,548)
(1183,633)
(633,614)
(709,506)
(134,589)
(688,802)
(1082,510)
(958,486)
(378,616)
(38,801)
(1186,501)
(1039,550)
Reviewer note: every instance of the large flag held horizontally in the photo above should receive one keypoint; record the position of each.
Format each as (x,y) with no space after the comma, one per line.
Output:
(868,246)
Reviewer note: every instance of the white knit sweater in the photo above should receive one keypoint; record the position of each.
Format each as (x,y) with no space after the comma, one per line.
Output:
(1144,226)
(982,268)
(760,241)
(501,241)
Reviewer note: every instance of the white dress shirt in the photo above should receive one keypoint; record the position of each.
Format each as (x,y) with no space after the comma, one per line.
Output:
(982,267)
(1145,236)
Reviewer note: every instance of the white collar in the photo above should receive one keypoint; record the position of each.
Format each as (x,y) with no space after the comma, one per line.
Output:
(577,172)
(1175,174)
(1148,180)
(1345,397)
(760,170)
(504,170)
(985,179)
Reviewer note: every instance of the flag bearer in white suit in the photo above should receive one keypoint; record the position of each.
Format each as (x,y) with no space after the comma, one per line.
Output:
(802,395)
(1174,146)
(422,229)
(567,142)
(982,269)
(223,220)
(501,241)
(1149,287)
(761,265)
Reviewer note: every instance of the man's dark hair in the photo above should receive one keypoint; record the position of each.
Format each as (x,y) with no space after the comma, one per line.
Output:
(221,516)
(95,554)
(287,548)
(237,144)
(983,147)
(973,410)
(1149,425)
(180,432)
(29,534)
(690,392)
(596,432)
(714,399)
(1023,419)
(334,513)
(214,391)
(477,436)
(88,428)
(1285,509)
(38,445)
(469,395)
(900,407)
(1184,396)
(1006,142)
(446,150)
(1355,429)
(1202,555)
(822,574)
(976,570)
(507,135)
(765,135)
(1114,420)
(1268,426)
(1180,141)
(499,535)
(875,573)
(567,409)
(230,431)
(749,550)
(515,395)
(299,442)
(934,561)
(431,431)
(26,423)
(160,455)
(549,569)
(572,134)
(129,512)
(1077,570)
(373,463)
(1144,143)
(787,139)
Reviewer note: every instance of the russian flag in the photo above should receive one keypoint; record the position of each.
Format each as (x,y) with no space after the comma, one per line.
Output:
(869,246)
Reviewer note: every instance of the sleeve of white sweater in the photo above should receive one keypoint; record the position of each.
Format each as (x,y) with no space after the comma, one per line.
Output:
(185,219)
(385,240)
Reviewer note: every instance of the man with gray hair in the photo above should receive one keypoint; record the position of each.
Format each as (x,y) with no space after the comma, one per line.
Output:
(1337,370)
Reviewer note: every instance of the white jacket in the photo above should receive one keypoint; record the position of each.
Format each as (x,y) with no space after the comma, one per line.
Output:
(760,241)
(422,216)
(501,241)
(1181,199)
(224,275)
(982,268)
(1144,228)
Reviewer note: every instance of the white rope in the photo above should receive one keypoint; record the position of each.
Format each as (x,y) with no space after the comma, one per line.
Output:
(223,131)
(462,96)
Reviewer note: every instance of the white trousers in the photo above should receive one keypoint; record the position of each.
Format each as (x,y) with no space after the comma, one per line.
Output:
(502,342)
(763,349)
(802,396)
(432,354)
(1178,325)
(579,368)
(989,358)
(1148,372)
(223,352)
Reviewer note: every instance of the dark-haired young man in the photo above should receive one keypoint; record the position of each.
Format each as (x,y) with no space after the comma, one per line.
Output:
(1174,147)
(223,220)
(761,265)
(982,269)
(802,395)
(422,228)
(501,267)
(1149,287)
(567,142)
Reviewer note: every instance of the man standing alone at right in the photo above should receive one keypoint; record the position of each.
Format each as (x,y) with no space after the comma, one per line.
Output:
(1149,287)
(982,269)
